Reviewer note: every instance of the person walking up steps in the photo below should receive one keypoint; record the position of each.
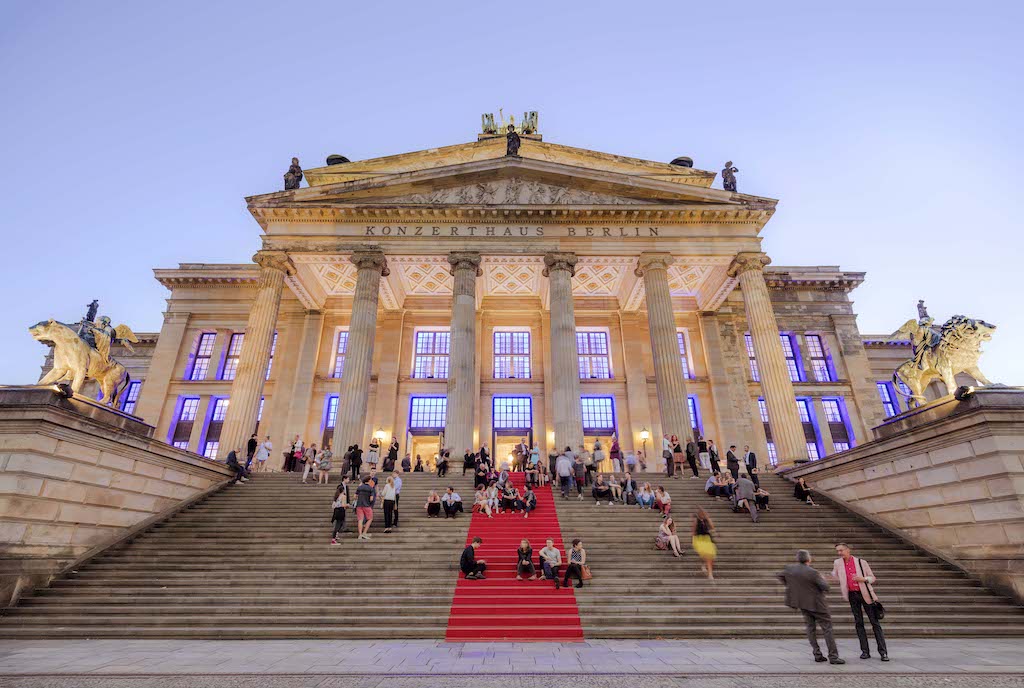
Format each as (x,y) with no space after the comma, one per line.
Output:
(366,495)
(703,541)
(340,509)
(856,581)
(805,591)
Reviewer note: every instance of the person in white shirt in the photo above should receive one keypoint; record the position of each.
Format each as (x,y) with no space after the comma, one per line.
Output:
(388,495)
(398,493)
(666,454)
(451,502)
(550,560)
(262,454)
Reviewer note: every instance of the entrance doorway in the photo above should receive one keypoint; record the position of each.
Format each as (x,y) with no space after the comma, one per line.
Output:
(426,447)
(513,421)
(504,441)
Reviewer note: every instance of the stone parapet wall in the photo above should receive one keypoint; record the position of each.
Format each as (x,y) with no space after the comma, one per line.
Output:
(948,476)
(75,476)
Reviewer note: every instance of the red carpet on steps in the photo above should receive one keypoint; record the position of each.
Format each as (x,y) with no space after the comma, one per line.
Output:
(500,607)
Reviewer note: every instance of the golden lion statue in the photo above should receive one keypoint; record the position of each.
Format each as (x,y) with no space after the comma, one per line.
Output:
(74,359)
(941,353)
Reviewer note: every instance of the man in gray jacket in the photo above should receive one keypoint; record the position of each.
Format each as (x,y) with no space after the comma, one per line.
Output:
(744,496)
(805,590)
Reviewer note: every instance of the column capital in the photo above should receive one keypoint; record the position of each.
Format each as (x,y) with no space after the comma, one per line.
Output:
(374,260)
(560,261)
(274,260)
(464,260)
(744,262)
(653,261)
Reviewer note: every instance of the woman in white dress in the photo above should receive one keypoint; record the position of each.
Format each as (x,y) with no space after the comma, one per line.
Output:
(373,455)
(262,454)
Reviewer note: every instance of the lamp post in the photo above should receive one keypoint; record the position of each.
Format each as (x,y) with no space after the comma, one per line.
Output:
(379,434)
(644,435)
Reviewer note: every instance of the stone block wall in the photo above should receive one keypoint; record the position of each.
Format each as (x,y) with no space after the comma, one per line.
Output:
(75,476)
(949,476)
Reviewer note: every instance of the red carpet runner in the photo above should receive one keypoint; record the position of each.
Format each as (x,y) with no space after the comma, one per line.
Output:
(502,608)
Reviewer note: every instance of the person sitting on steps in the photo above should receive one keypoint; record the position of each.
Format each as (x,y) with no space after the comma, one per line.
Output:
(524,556)
(601,490)
(550,560)
(662,501)
(433,505)
(451,502)
(667,533)
(472,567)
(802,492)
(480,502)
(528,502)
(577,560)
(645,497)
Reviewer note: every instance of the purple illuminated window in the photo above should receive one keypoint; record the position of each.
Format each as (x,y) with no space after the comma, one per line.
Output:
(201,356)
(694,407)
(773,456)
(332,410)
(431,355)
(512,355)
(809,422)
(755,373)
(819,361)
(889,404)
(131,396)
(598,415)
(841,446)
(427,413)
(211,439)
(592,348)
(789,352)
(681,338)
(339,355)
(231,360)
(812,451)
(182,430)
(838,422)
(513,413)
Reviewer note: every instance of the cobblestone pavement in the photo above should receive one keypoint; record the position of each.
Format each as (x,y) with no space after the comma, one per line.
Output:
(122,663)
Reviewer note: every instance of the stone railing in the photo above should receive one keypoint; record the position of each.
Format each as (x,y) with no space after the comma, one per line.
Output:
(76,477)
(947,477)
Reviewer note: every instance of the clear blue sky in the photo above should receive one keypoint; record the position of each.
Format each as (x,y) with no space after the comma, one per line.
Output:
(890,131)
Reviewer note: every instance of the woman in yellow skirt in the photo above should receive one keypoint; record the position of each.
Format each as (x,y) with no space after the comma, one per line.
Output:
(703,541)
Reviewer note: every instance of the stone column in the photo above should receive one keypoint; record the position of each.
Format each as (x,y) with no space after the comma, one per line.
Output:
(458,430)
(668,366)
(787,431)
(362,330)
(565,362)
(247,388)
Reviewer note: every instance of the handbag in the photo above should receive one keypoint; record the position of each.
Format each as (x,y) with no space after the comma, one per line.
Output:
(585,573)
(878,608)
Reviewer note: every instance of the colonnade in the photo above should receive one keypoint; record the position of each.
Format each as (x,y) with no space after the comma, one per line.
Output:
(652,267)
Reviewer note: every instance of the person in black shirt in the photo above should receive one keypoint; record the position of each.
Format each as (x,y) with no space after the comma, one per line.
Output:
(250,449)
(471,566)
(468,462)
(356,460)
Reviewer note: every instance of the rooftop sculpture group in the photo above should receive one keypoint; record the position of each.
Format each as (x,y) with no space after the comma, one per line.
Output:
(940,352)
(82,351)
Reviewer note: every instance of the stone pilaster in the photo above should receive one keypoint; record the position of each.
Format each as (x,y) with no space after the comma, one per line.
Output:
(462,392)
(727,374)
(161,371)
(858,370)
(565,363)
(301,395)
(247,388)
(668,366)
(787,432)
(355,381)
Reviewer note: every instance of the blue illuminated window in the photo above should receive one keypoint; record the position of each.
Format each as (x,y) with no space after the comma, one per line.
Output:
(773,456)
(431,355)
(512,355)
(841,446)
(428,413)
(598,415)
(592,348)
(233,354)
(131,396)
(513,413)
(694,408)
(755,373)
(812,451)
(789,352)
(332,410)
(889,404)
(181,430)
(273,348)
(683,355)
(189,408)
(220,410)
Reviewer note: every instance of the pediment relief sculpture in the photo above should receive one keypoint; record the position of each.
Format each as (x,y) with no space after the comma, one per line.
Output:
(514,191)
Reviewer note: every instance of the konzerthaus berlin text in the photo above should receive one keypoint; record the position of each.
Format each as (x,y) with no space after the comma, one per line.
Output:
(558,294)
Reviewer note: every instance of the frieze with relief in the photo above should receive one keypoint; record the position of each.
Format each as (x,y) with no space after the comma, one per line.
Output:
(515,191)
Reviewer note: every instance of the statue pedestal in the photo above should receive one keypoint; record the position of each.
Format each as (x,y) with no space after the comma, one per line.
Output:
(77,476)
(948,477)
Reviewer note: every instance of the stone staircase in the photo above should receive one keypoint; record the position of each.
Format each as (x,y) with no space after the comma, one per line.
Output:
(641,592)
(255,561)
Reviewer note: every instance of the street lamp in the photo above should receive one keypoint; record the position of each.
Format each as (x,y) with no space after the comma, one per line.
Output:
(644,435)
(379,434)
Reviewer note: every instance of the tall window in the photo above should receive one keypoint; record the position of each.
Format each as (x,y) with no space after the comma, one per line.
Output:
(211,445)
(183,425)
(683,354)
(694,407)
(819,362)
(789,352)
(889,405)
(762,409)
(512,355)
(427,414)
(330,419)
(835,416)
(592,348)
(339,354)
(131,396)
(431,359)
(755,373)
(513,413)
(273,348)
(234,352)
(201,356)
(598,415)
(259,414)
(806,413)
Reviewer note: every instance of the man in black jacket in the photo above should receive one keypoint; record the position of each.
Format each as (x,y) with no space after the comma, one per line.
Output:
(692,450)
(732,462)
(469,564)
(805,591)
(241,474)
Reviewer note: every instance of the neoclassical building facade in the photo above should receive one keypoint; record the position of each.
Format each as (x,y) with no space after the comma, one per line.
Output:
(460,296)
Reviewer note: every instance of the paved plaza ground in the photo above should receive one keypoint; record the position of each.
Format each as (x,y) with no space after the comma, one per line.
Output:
(594,664)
